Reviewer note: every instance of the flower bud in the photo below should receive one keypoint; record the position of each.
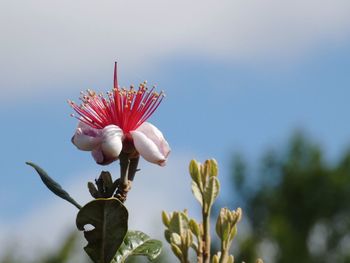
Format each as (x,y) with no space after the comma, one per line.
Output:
(226,223)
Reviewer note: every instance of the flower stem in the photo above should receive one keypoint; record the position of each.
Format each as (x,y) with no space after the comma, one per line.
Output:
(124,183)
(133,167)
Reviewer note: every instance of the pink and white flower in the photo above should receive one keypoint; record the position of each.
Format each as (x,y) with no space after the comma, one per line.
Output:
(114,123)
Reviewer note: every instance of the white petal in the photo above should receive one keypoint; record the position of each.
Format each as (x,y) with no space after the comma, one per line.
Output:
(153,133)
(98,155)
(150,143)
(111,145)
(86,138)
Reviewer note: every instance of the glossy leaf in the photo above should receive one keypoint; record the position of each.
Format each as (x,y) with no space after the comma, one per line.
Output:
(165,219)
(53,186)
(213,167)
(109,217)
(197,193)
(177,251)
(137,243)
(194,226)
(211,191)
(194,169)
(178,223)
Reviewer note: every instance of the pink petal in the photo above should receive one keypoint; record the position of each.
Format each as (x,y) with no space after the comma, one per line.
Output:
(111,145)
(150,143)
(100,158)
(86,138)
(98,155)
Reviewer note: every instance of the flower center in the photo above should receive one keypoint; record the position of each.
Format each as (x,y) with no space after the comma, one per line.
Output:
(126,108)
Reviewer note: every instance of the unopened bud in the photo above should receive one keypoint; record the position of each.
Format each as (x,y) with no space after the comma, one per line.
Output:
(177,251)
(165,219)
(175,239)
(194,228)
(195,173)
(215,259)
(226,223)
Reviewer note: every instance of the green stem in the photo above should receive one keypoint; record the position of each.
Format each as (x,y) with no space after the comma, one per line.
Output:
(206,233)
(124,183)
(199,250)
(184,251)
(124,167)
(224,252)
(133,168)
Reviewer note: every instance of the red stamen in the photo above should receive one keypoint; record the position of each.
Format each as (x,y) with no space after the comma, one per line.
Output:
(127,109)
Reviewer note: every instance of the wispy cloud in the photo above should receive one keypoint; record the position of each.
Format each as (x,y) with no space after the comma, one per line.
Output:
(56,41)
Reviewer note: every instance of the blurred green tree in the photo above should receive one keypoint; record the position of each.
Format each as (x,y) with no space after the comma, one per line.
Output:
(298,205)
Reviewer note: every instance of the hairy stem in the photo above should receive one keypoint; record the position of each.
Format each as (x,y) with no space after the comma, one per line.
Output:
(224,252)
(199,251)
(206,233)
(185,256)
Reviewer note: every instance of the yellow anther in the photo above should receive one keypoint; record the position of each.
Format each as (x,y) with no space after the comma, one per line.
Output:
(91,93)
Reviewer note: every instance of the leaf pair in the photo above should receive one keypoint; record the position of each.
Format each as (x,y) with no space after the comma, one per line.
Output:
(205,184)
(178,233)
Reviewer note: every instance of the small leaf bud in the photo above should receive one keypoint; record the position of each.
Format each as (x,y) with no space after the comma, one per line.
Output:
(165,219)
(194,228)
(93,191)
(177,251)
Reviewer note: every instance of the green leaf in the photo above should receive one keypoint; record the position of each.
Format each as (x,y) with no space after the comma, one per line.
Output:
(213,167)
(211,191)
(178,223)
(175,238)
(194,226)
(167,235)
(53,185)
(110,220)
(197,193)
(194,169)
(177,251)
(233,233)
(137,243)
(165,219)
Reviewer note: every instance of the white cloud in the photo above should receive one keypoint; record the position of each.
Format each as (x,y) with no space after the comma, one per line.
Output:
(57,41)
(155,189)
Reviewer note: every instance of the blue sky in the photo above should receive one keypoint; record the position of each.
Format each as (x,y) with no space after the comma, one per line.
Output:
(239,76)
